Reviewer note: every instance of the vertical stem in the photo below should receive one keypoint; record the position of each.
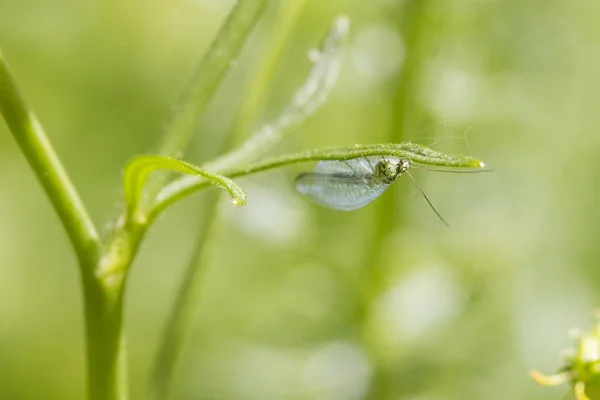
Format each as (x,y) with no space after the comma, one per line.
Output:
(283,19)
(181,316)
(106,351)
(46,165)
(103,295)
(205,80)
(190,289)
(209,73)
(104,305)
(388,214)
(105,355)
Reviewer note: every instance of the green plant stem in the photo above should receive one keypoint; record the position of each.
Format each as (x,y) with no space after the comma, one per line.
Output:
(205,80)
(283,21)
(137,170)
(106,299)
(106,346)
(420,156)
(124,243)
(307,99)
(46,165)
(105,355)
(305,102)
(182,313)
(209,74)
(389,215)
(190,289)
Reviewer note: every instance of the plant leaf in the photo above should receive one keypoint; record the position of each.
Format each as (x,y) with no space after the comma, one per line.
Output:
(137,170)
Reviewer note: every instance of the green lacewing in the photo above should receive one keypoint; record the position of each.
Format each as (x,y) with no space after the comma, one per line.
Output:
(351,184)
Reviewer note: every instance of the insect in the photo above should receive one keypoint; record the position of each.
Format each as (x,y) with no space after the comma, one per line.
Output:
(351,184)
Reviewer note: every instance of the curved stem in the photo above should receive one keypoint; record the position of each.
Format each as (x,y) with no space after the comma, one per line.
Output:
(190,289)
(205,80)
(104,276)
(105,352)
(309,97)
(421,156)
(46,165)
(136,174)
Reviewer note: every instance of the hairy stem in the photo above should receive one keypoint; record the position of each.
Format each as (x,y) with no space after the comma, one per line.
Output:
(205,80)
(104,276)
(209,74)
(311,95)
(190,288)
(130,227)
(136,174)
(124,243)
(420,156)
(281,23)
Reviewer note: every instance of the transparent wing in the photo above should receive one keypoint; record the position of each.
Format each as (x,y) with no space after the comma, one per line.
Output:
(359,166)
(340,191)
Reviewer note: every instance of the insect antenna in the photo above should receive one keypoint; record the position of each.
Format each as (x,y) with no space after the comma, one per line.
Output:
(454,171)
(426,198)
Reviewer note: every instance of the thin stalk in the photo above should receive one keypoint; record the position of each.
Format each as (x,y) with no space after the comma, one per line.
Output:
(105,353)
(419,156)
(181,315)
(125,240)
(209,74)
(104,277)
(390,211)
(50,172)
(190,288)
(307,99)
(282,21)
(205,80)
(131,226)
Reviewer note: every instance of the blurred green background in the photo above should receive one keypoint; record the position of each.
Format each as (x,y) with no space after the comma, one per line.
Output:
(302,302)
